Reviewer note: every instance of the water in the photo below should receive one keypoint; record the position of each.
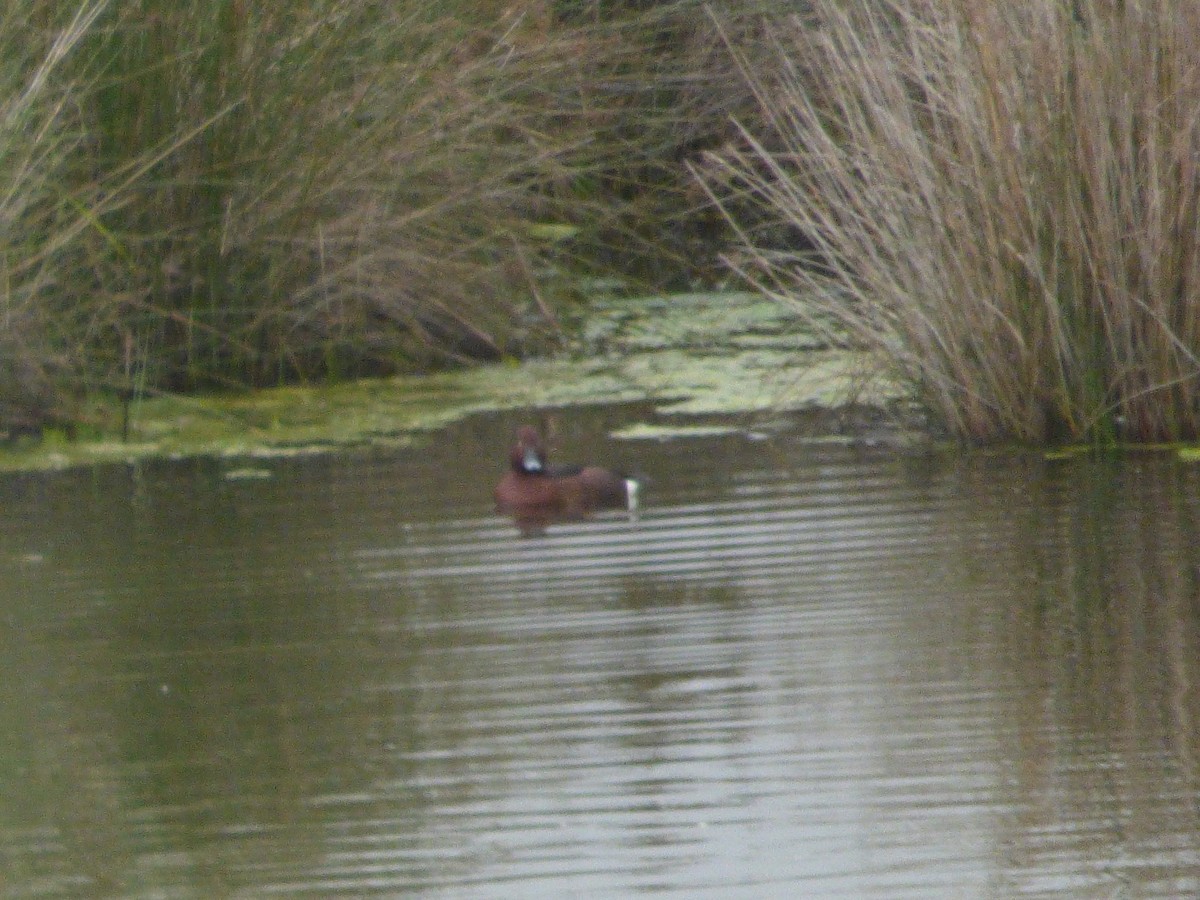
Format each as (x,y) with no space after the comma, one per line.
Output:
(804,670)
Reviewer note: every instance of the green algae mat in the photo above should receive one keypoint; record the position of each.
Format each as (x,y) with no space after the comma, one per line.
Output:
(690,355)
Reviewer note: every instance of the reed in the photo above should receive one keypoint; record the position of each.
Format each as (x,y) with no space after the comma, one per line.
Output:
(366,188)
(347,189)
(43,215)
(230,194)
(1001,198)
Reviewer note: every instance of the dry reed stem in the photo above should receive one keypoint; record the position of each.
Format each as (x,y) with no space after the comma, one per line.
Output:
(1003,199)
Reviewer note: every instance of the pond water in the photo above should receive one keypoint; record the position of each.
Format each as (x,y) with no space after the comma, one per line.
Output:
(802,670)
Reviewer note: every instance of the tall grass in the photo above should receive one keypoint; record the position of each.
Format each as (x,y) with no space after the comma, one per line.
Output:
(352,192)
(43,216)
(1001,198)
(251,193)
(361,188)
(234,193)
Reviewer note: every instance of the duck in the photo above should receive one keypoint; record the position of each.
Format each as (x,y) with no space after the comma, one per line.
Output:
(534,491)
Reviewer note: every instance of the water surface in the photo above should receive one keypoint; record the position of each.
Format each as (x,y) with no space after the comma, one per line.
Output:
(803,670)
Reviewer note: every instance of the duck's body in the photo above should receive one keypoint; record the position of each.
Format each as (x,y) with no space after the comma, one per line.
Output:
(531,487)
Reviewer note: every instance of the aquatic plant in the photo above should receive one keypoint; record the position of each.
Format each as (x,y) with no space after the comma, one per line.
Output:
(1002,199)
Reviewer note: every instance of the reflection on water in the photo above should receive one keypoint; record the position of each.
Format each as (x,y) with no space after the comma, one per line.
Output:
(803,671)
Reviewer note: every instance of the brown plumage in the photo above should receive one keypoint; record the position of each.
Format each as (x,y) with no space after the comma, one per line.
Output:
(534,490)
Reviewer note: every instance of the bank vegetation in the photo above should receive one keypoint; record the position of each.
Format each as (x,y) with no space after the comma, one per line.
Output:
(999,199)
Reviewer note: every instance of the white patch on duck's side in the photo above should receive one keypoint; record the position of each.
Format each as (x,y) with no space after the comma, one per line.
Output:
(531,462)
(631,491)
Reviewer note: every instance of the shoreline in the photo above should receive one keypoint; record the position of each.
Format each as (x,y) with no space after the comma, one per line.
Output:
(701,360)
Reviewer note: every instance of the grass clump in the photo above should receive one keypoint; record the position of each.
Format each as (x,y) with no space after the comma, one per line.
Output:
(1001,198)
(349,190)
(232,193)
(43,215)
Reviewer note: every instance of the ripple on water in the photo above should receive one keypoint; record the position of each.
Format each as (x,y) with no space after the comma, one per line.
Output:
(798,672)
